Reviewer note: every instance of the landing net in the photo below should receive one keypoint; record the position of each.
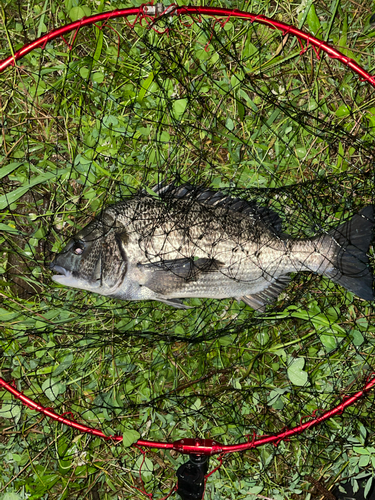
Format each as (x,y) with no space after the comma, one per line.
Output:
(111,108)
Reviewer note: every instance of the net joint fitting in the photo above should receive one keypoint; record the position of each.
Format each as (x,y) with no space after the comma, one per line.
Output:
(198,446)
(159,9)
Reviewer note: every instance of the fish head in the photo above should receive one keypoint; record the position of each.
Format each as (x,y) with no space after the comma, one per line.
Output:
(92,260)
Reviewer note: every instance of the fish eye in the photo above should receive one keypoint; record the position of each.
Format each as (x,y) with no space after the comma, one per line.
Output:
(78,248)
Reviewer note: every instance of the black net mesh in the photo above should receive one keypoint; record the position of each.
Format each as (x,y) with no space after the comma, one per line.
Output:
(233,107)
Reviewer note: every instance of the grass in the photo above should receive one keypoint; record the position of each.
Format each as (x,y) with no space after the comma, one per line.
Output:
(122,110)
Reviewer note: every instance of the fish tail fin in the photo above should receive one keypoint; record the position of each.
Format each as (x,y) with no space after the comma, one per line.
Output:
(350,260)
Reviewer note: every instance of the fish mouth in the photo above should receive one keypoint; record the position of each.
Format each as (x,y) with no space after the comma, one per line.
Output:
(64,275)
(58,269)
(66,278)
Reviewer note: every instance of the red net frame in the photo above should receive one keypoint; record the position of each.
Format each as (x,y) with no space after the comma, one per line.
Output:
(201,446)
(146,12)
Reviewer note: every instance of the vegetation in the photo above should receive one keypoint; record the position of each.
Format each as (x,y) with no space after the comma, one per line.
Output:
(236,106)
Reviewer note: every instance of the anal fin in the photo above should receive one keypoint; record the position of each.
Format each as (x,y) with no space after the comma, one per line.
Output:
(258,301)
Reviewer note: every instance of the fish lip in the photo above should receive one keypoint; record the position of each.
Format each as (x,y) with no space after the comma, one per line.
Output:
(63,276)
(59,269)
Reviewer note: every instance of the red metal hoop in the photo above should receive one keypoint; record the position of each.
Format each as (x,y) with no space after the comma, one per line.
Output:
(199,446)
(152,12)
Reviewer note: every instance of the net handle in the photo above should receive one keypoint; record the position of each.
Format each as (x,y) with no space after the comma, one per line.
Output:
(199,446)
(150,12)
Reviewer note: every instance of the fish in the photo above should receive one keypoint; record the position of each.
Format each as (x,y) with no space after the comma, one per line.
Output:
(193,242)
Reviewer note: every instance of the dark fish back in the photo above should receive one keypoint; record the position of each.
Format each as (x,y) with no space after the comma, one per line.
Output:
(208,197)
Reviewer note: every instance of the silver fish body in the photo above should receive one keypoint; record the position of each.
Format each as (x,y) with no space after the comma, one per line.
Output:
(192,242)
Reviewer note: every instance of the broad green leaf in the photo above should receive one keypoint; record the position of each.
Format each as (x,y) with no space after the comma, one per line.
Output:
(301,152)
(179,107)
(313,20)
(255,489)
(7,315)
(98,77)
(197,405)
(147,468)
(355,485)
(11,496)
(9,168)
(65,363)
(343,110)
(84,72)
(99,43)
(357,337)
(144,86)
(318,320)
(9,410)
(52,388)
(364,460)
(42,27)
(229,124)
(8,229)
(130,437)
(214,58)
(40,233)
(329,342)
(296,373)
(368,486)
(235,80)
(360,450)
(263,338)
(79,12)
(9,198)
(250,48)
(202,54)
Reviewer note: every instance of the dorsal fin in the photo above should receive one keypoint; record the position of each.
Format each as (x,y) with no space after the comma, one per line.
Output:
(220,199)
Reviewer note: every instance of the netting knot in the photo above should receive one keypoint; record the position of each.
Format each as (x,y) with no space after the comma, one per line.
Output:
(222,24)
(69,413)
(311,417)
(253,438)
(281,437)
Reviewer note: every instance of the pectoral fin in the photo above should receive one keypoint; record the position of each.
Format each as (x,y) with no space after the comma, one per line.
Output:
(168,276)
(258,301)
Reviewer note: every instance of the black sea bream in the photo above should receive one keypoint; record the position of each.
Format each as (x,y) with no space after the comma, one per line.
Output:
(190,242)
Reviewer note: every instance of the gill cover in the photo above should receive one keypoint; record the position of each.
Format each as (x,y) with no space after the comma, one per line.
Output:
(113,256)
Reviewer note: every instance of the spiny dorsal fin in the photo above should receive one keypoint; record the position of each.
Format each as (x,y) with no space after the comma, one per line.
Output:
(219,199)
